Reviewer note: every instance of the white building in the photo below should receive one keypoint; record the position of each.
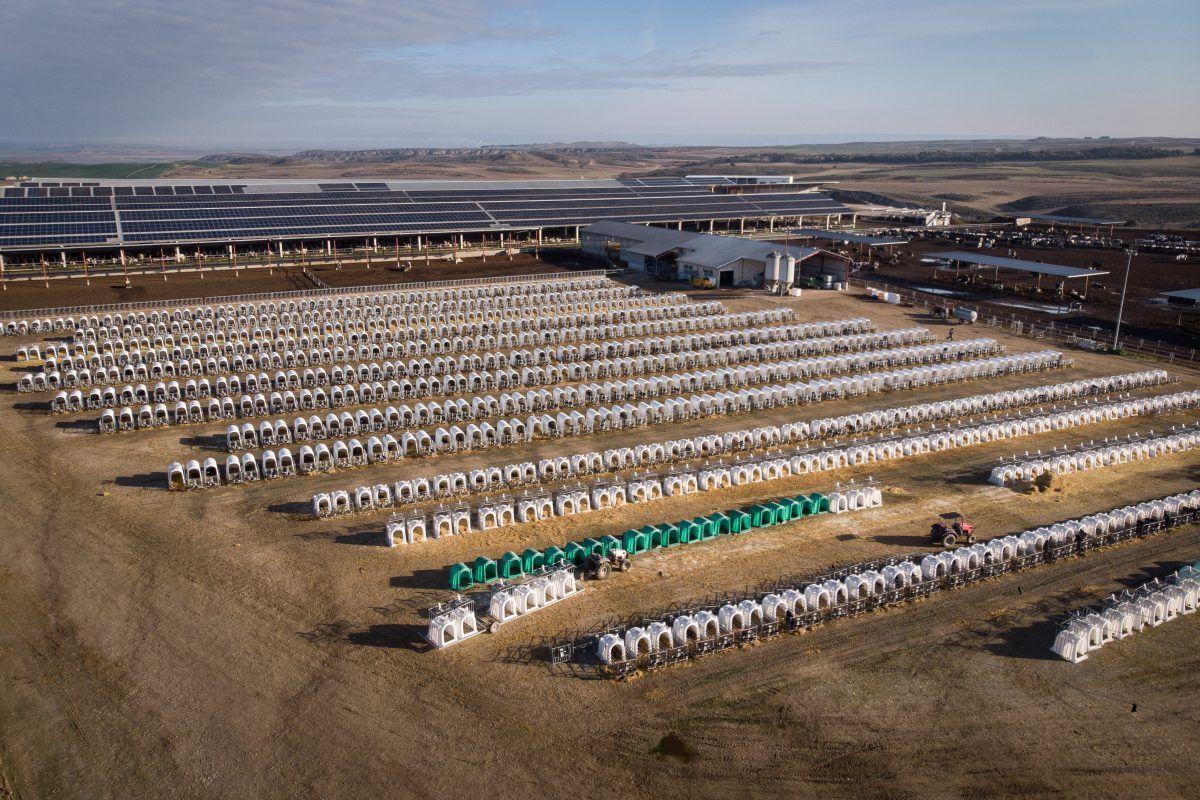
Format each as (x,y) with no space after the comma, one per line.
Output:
(721,260)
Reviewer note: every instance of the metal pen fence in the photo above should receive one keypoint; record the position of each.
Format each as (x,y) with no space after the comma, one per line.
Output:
(577,651)
(298,293)
(1025,325)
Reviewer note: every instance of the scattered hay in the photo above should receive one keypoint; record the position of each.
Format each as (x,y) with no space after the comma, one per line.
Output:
(1045,483)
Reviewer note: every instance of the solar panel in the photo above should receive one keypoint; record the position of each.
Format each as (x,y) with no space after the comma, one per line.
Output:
(164,213)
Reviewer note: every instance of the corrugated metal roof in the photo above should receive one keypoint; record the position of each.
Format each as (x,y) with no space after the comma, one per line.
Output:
(697,249)
(1057,270)
(717,251)
(1185,294)
(846,236)
(651,241)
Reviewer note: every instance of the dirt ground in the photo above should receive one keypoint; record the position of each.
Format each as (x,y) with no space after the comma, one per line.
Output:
(219,644)
(195,285)
(1146,313)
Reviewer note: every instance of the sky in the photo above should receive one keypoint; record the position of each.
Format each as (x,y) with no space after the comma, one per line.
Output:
(290,74)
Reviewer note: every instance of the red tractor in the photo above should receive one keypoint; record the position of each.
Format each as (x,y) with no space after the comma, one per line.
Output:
(950,530)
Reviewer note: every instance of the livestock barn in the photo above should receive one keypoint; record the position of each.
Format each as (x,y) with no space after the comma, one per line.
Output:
(60,223)
(717,260)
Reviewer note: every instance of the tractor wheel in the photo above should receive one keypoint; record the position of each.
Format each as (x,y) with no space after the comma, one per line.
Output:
(948,540)
(971,539)
(601,571)
(625,565)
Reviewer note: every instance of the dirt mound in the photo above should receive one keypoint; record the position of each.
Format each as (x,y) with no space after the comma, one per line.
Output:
(1149,214)
(848,196)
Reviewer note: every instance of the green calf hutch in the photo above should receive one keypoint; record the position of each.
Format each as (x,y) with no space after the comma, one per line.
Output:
(721,523)
(635,542)
(510,566)
(783,511)
(554,555)
(532,559)
(820,503)
(795,509)
(658,536)
(708,528)
(804,504)
(461,577)
(609,542)
(688,531)
(575,553)
(761,515)
(594,546)
(652,537)
(484,570)
(739,521)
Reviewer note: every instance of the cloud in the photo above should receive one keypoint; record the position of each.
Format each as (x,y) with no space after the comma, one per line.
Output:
(122,64)
(273,73)
(654,71)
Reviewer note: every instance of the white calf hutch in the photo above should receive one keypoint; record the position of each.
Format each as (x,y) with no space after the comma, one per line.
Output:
(466,616)
(1128,612)
(697,631)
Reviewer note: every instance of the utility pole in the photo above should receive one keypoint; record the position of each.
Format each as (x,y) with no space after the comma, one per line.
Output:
(1121,308)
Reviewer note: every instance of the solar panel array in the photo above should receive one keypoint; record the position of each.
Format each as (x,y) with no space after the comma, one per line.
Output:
(167,214)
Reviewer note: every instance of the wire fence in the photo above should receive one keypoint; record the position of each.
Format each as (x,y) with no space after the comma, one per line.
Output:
(299,293)
(185,262)
(576,653)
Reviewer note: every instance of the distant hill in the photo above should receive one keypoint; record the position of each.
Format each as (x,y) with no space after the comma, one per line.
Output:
(571,146)
(400,155)
(717,158)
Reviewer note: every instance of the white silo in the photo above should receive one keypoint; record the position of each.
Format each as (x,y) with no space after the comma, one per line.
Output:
(788,274)
(772,276)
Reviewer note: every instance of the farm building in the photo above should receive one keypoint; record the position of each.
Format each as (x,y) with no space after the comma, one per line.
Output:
(721,260)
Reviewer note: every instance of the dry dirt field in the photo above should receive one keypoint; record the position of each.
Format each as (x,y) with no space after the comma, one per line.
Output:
(220,644)
(216,283)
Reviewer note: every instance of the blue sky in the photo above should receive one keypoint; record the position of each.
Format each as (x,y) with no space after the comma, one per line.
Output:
(360,73)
